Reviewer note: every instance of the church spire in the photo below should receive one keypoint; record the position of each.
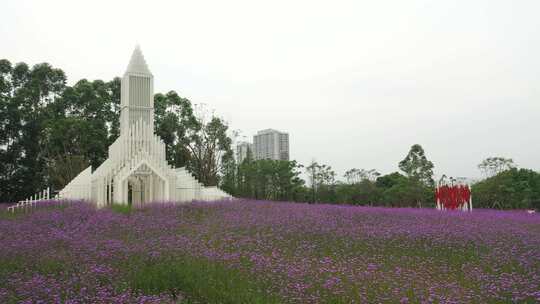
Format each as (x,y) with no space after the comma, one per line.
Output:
(137,64)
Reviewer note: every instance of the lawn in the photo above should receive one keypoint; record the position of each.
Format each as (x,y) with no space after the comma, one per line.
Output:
(267,252)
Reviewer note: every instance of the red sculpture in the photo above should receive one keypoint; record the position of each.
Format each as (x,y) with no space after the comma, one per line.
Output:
(452,197)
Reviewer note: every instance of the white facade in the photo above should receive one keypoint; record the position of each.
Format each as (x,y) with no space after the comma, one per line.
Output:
(136,170)
(271,144)
(242,151)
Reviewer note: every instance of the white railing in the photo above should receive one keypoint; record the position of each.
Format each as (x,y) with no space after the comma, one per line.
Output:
(32,201)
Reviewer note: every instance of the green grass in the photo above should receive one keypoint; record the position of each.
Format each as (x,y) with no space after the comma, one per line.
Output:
(121,208)
(13,215)
(8,215)
(195,280)
(45,266)
(9,266)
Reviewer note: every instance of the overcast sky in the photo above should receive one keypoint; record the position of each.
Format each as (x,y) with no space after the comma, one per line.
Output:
(355,83)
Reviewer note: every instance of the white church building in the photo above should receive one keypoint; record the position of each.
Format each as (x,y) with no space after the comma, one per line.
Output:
(136,170)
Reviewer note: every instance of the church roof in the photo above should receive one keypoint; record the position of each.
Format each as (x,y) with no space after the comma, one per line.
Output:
(137,64)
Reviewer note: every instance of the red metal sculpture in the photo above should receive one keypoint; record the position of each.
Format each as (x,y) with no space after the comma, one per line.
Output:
(453,197)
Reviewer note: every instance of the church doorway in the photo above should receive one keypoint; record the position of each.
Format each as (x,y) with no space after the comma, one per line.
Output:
(144,185)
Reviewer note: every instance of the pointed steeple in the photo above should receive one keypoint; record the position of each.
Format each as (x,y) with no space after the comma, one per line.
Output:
(137,64)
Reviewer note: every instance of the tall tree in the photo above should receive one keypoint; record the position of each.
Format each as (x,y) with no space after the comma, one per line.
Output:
(323,182)
(209,146)
(80,125)
(313,174)
(417,166)
(270,179)
(245,176)
(494,165)
(174,119)
(26,94)
(229,174)
(10,126)
(354,175)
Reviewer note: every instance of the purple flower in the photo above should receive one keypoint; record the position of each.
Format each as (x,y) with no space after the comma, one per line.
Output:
(299,252)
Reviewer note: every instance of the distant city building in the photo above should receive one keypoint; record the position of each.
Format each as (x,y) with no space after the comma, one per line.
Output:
(271,144)
(242,151)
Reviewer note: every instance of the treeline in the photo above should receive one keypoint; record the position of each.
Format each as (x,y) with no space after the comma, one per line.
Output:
(280,180)
(505,187)
(49,131)
(509,189)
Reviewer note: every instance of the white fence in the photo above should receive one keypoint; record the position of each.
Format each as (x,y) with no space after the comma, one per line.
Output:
(32,201)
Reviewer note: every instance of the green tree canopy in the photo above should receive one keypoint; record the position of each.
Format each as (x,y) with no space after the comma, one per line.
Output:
(417,166)
(25,93)
(494,165)
(270,179)
(509,189)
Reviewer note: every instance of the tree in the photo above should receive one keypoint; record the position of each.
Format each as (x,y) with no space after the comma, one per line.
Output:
(371,175)
(64,168)
(174,118)
(229,175)
(10,126)
(79,127)
(494,165)
(326,176)
(209,147)
(269,179)
(290,184)
(417,166)
(401,191)
(25,95)
(245,177)
(407,192)
(509,189)
(323,182)
(354,175)
(389,180)
(364,192)
(313,174)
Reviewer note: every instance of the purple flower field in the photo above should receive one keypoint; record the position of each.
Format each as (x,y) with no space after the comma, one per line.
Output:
(268,252)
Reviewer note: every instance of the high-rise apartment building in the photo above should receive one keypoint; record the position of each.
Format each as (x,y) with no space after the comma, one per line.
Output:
(242,151)
(271,144)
